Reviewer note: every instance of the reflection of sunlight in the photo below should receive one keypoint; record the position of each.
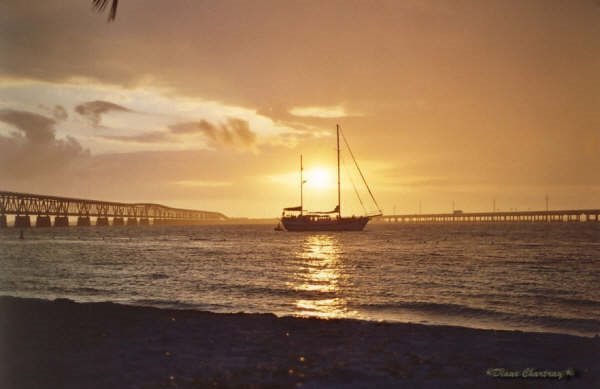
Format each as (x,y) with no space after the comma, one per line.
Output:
(326,308)
(320,272)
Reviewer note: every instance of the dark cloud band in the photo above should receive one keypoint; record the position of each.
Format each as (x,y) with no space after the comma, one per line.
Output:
(93,110)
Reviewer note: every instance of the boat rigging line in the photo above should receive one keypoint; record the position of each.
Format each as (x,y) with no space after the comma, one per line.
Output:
(360,172)
(353,184)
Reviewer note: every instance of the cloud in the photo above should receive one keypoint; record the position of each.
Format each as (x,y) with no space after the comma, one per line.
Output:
(60,113)
(33,149)
(93,110)
(235,132)
(331,112)
(242,130)
(152,109)
(231,133)
(202,183)
(36,128)
(201,126)
(145,137)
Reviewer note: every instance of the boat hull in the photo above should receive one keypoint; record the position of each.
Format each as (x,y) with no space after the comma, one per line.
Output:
(305,223)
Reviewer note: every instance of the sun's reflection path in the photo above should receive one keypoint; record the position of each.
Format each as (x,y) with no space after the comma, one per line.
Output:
(320,278)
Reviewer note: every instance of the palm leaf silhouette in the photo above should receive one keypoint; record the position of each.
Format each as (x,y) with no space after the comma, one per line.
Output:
(100,6)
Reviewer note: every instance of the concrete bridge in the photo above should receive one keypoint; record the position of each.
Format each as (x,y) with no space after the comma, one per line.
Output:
(573,215)
(45,208)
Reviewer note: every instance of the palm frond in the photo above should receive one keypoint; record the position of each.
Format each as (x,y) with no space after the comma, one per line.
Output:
(100,6)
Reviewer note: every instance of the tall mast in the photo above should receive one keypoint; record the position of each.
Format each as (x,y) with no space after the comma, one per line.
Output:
(301,187)
(337,126)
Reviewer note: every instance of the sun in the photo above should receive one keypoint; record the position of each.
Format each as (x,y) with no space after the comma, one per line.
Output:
(318,178)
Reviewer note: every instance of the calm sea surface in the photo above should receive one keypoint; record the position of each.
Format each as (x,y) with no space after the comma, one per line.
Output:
(503,276)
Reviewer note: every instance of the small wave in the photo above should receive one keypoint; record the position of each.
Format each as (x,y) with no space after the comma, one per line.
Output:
(177,304)
(158,276)
(465,313)
(211,253)
(529,244)
(428,307)
(285,292)
(549,296)
(578,302)
(90,290)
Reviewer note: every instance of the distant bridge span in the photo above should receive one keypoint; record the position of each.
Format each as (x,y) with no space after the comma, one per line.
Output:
(568,215)
(24,205)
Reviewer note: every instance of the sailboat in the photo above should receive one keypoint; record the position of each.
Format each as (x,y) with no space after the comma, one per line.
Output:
(297,219)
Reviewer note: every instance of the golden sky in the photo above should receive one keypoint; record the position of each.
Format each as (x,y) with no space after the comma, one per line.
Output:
(208,104)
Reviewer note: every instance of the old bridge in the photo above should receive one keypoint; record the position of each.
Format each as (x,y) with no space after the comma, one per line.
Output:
(25,205)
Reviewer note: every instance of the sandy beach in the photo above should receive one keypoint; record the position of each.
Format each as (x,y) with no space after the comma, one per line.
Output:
(62,344)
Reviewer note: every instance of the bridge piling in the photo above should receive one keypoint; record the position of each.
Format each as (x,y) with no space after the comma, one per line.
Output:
(22,221)
(118,221)
(131,221)
(61,221)
(3,221)
(83,221)
(43,221)
(101,221)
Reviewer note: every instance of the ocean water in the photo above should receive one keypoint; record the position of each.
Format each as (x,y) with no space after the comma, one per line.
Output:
(532,277)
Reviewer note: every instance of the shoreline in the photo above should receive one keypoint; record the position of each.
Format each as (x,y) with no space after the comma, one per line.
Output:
(426,318)
(61,343)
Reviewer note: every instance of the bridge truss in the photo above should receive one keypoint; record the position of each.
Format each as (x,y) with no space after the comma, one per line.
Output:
(26,204)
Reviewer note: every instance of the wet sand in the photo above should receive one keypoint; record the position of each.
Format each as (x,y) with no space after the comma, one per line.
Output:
(62,344)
